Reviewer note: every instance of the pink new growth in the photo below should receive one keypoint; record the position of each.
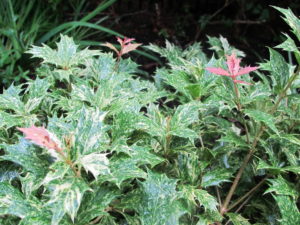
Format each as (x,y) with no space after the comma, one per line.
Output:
(126,46)
(40,136)
(234,69)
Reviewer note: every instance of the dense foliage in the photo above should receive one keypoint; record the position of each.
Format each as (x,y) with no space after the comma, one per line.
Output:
(89,142)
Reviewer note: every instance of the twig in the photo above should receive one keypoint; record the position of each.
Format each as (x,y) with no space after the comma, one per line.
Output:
(238,22)
(219,197)
(247,194)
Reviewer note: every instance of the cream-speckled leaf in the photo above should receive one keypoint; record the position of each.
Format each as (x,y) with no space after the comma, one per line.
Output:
(90,133)
(96,203)
(66,55)
(290,214)
(122,168)
(10,99)
(158,204)
(56,171)
(13,202)
(38,218)
(206,200)
(215,177)
(142,155)
(263,117)
(183,117)
(232,137)
(282,187)
(8,120)
(96,163)
(289,45)
(24,154)
(291,19)
(65,197)
(280,70)
(237,219)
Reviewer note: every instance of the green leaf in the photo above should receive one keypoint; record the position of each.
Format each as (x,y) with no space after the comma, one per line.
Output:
(90,133)
(282,187)
(10,99)
(37,91)
(289,45)
(158,203)
(95,203)
(30,184)
(96,163)
(260,116)
(237,219)
(37,217)
(24,154)
(65,197)
(277,168)
(184,116)
(154,124)
(291,138)
(279,68)
(222,47)
(122,168)
(13,202)
(291,19)
(57,171)
(171,52)
(66,54)
(232,137)
(209,217)
(8,120)
(207,200)
(142,156)
(102,67)
(288,209)
(215,177)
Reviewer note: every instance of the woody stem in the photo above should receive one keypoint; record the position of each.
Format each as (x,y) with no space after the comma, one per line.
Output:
(236,90)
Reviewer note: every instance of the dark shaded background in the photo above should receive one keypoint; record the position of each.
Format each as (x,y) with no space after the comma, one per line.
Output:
(248,25)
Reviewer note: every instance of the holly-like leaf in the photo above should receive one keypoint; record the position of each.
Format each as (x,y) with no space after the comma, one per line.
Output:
(290,214)
(96,203)
(158,201)
(37,91)
(24,154)
(10,99)
(291,19)
(232,137)
(282,187)
(215,177)
(66,55)
(260,116)
(13,202)
(206,200)
(57,171)
(90,133)
(237,219)
(96,163)
(122,168)
(183,117)
(65,197)
(142,156)
(9,120)
(279,68)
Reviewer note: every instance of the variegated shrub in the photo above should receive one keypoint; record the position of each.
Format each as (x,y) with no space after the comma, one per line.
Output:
(88,141)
